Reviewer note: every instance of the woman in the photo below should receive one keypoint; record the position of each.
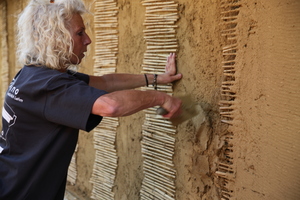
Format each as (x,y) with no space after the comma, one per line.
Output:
(46,104)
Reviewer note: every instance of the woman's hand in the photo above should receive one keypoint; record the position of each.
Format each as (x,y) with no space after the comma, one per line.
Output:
(172,106)
(170,74)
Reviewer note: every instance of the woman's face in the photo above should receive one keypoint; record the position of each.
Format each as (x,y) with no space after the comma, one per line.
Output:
(80,39)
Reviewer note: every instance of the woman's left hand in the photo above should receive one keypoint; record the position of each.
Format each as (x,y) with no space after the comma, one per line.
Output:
(170,74)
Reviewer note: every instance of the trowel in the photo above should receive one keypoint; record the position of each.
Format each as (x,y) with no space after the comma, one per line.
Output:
(190,109)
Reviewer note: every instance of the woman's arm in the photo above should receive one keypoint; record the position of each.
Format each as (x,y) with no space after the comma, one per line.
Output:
(116,82)
(127,102)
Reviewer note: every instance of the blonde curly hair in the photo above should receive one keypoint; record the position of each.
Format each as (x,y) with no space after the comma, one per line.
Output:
(43,37)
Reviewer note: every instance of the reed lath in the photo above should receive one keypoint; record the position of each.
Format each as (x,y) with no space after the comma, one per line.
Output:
(106,33)
(4,50)
(229,15)
(72,171)
(106,49)
(158,133)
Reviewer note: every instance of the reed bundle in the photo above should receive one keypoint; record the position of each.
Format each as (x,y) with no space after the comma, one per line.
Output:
(229,17)
(158,133)
(106,49)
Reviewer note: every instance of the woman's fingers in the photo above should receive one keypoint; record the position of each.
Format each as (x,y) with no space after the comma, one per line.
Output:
(171,64)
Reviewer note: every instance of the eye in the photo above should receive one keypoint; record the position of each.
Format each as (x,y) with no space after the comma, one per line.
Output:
(80,33)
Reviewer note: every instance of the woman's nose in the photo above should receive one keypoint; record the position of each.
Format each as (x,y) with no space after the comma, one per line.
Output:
(87,40)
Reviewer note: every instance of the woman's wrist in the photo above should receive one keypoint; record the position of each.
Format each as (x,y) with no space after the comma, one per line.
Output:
(151,79)
(146,79)
(154,84)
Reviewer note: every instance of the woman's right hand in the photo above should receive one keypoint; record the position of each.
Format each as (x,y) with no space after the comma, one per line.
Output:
(173,107)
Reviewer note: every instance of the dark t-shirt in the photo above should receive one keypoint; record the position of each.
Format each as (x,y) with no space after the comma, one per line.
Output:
(42,114)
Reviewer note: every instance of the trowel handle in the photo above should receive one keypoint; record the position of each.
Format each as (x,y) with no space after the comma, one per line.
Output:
(161,111)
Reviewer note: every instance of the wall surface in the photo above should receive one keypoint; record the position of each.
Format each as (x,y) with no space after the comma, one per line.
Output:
(240,62)
(267,128)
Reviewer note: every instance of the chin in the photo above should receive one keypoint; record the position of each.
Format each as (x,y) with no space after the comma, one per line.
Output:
(76,62)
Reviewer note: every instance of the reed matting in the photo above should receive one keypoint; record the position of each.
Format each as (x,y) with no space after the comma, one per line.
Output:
(106,49)
(225,171)
(158,133)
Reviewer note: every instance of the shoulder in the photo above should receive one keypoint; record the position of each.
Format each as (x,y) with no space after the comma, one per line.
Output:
(80,76)
(43,73)
(39,71)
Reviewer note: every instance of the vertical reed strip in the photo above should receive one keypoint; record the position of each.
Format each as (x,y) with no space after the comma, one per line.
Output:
(4,50)
(72,171)
(225,171)
(158,134)
(18,7)
(106,49)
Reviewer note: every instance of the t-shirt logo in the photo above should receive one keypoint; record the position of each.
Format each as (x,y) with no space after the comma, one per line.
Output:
(8,120)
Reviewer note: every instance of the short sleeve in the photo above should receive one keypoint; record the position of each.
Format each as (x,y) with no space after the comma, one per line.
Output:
(80,76)
(70,101)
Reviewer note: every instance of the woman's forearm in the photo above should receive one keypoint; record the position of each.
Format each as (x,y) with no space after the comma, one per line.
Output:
(127,102)
(117,82)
